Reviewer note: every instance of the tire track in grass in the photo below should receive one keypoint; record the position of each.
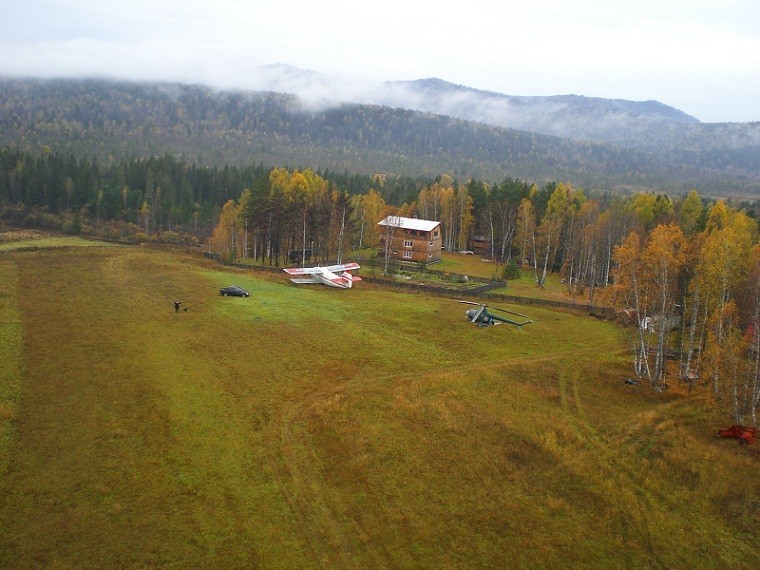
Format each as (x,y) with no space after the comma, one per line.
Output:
(331,535)
(325,527)
(11,359)
(616,469)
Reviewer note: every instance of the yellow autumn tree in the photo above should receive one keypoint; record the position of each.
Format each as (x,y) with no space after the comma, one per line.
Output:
(662,261)
(226,237)
(720,276)
(525,231)
(630,294)
(367,212)
(752,393)
(690,212)
(449,215)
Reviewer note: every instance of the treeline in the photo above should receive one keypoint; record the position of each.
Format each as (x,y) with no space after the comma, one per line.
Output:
(685,271)
(117,120)
(157,193)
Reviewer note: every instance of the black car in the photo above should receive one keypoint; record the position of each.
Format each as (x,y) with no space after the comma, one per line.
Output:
(233,291)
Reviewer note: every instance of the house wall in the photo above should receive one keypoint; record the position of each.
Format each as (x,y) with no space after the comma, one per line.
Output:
(414,245)
(481,246)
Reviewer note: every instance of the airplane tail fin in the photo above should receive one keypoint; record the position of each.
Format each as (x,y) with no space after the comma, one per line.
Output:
(350,279)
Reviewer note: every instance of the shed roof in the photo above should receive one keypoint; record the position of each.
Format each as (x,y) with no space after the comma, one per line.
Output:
(409,223)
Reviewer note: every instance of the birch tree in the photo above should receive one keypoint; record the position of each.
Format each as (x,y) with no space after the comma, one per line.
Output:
(393,221)
(449,216)
(662,260)
(723,267)
(753,336)
(342,209)
(367,212)
(547,237)
(526,231)
(632,295)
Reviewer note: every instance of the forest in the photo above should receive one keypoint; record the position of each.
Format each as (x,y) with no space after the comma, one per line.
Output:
(157,193)
(112,120)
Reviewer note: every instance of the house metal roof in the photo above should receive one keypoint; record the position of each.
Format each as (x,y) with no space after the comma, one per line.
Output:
(409,223)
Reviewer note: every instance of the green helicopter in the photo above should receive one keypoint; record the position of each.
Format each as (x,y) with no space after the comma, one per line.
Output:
(483,318)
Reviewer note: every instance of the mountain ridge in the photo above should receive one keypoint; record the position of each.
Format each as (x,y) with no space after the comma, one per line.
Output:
(116,118)
(433,85)
(649,126)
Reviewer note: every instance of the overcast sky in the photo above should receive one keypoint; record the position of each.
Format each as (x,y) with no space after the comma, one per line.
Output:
(700,56)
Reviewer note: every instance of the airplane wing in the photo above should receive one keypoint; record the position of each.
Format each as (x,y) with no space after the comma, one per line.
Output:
(342,267)
(303,270)
(307,280)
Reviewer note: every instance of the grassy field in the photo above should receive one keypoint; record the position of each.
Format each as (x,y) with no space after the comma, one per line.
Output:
(524,286)
(309,427)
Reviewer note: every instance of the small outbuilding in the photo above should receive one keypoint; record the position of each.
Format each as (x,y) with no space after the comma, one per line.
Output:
(411,239)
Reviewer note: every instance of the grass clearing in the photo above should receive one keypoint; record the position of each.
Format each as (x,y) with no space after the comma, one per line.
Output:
(314,427)
(48,242)
(524,286)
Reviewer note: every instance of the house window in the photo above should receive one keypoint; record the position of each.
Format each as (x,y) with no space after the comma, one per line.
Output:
(435,233)
(407,255)
(407,243)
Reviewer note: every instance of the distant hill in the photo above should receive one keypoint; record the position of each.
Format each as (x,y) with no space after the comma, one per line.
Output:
(570,116)
(649,126)
(107,118)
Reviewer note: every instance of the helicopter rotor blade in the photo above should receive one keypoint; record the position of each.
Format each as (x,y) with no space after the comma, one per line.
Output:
(470,303)
(511,312)
(510,321)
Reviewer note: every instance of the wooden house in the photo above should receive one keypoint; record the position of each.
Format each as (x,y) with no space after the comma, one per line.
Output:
(411,239)
(481,246)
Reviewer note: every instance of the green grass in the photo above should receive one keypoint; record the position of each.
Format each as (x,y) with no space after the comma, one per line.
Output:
(524,286)
(314,427)
(49,242)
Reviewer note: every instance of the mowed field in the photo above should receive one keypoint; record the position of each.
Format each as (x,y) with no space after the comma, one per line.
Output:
(310,427)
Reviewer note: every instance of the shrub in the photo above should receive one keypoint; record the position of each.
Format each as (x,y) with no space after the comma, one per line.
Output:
(511,271)
(72,226)
(170,237)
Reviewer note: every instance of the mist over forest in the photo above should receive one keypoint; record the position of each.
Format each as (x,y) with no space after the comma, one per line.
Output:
(423,128)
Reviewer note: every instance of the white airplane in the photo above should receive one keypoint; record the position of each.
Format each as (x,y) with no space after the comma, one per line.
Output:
(333,275)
